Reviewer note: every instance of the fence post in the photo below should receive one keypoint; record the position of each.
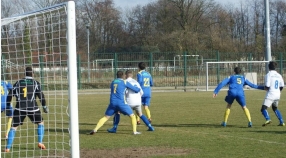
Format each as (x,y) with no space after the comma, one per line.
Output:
(78,71)
(281,62)
(217,70)
(185,70)
(42,72)
(150,62)
(115,64)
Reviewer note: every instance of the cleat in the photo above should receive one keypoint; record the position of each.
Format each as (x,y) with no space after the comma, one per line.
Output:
(223,124)
(136,133)
(41,146)
(267,123)
(91,132)
(249,124)
(150,120)
(281,124)
(111,130)
(151,128)
(138,122)
(7,150)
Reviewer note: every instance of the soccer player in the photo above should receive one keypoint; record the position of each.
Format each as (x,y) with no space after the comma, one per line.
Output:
(118,103)
(26,90)
(236,83)
(274,84)
(145,80)
(5,87)
(134,101)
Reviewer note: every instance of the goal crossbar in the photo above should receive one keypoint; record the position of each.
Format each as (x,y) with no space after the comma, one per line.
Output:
(227,62)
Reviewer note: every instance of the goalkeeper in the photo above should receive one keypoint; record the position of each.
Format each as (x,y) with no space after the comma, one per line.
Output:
(117,102)
(134,101)
(5,87)
(236,83)
(26,90)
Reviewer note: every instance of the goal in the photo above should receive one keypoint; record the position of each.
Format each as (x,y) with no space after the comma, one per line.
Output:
(254,71)
(45,40)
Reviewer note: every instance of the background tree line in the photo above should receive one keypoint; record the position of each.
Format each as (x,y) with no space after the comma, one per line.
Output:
(170,25)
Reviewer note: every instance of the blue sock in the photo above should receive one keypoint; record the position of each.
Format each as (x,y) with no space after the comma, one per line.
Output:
(145,120)
(41,132)
(11,136)
(265,114)
(116,120)
(279,116)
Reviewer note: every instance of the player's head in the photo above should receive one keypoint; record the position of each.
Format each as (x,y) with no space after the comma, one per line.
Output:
(29,71)
(237,70)
(120,74)
(272,65)
(128,73)
(141,66)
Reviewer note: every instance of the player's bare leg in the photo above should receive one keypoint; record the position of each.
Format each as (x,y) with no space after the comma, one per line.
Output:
(99,124)
(226,114)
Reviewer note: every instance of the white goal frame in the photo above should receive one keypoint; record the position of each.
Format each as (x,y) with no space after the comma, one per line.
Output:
(72,68)
(226,62)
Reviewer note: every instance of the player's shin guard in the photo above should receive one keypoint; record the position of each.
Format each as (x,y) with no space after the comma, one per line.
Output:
(9,123)
(247,114)
(41,132)
(116,120)
(100,123)
(134,123)
(148,113)
(279,116)
(10,139)
(145,120)
(226,114)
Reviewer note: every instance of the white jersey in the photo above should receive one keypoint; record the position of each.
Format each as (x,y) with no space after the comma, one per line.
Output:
(274,81)
(133,98)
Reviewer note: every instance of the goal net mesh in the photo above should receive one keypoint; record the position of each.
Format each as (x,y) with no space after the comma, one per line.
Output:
(39,39)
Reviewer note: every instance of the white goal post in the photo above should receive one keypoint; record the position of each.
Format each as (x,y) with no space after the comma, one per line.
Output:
(44,39)
(228,63)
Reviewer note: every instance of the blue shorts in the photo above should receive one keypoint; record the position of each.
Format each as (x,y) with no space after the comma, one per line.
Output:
(240,99)
(123,108)
(4,108)
(146,101)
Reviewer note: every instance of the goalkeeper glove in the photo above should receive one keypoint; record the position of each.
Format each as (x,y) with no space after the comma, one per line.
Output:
(45,108)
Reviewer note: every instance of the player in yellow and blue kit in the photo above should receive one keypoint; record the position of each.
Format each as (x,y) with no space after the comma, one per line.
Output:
(145,80)
(118,103)
(236,83)
(5,87)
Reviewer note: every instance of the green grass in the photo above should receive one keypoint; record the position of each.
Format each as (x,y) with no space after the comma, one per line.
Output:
(187,124)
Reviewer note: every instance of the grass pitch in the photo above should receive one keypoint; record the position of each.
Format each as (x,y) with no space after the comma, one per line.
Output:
(187,124)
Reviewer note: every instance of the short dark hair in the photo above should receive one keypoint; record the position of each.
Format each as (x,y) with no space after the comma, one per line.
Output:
(128,72)
(272,65)
(119,74)
(237,70)
(142,66)
(29,71)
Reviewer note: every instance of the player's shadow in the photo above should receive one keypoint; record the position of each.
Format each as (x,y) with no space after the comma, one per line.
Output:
(274,132)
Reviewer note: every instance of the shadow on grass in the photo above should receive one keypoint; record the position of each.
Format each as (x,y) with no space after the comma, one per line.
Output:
(192,125)
(273,132)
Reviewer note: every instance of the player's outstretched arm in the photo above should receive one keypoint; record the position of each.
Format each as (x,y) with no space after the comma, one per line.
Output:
(220,85)
(253,85)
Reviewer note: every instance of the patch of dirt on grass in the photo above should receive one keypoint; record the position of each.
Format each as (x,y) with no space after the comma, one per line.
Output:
(134,152)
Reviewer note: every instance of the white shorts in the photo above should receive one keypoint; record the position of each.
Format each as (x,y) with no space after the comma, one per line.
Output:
(269,102)
(137,108)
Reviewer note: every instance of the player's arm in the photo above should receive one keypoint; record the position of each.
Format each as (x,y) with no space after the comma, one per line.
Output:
(253,85)
(281,84)
(151,81)
(139,78)
(41,97)
(130,86)
(267,83)
(220,85)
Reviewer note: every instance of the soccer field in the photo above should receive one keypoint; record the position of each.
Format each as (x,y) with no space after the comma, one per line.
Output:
(187,124)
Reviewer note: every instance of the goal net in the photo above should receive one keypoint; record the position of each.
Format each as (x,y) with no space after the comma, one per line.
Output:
(254,71)
(46,41)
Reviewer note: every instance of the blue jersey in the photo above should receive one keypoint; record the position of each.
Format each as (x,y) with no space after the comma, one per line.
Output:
(145,80)
(5,87)
(236,83)
(117,94)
